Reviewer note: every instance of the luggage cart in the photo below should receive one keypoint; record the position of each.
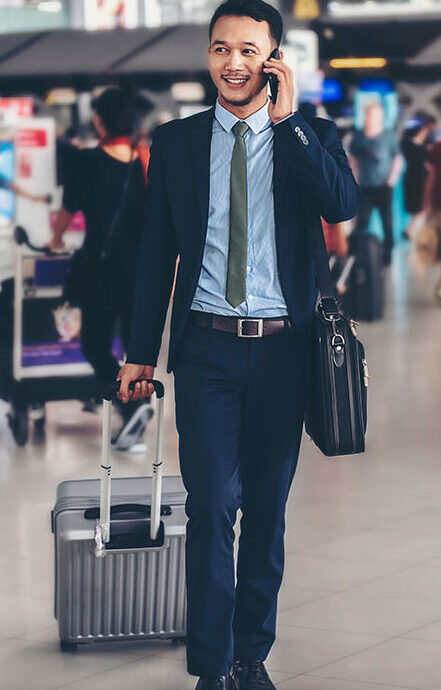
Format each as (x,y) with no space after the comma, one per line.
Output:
(47,361)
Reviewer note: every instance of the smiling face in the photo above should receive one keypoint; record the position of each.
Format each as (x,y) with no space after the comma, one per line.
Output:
(239,46)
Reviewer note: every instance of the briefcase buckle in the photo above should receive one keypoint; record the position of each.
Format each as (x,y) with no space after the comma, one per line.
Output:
(240,332)
(329,308)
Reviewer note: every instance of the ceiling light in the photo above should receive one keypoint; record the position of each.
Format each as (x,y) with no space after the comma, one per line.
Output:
(358,63)
(50,6)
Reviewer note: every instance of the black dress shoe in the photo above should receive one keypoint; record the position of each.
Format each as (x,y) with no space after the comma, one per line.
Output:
(252,675)
(223,683)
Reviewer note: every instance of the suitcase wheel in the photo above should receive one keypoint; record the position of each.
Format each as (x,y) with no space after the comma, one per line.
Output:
(68,646)
(178,640)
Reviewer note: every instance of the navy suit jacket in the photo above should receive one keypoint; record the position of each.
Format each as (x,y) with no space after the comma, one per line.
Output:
(312,178)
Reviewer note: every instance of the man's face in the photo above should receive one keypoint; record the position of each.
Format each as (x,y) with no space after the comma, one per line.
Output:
(239,47)
(374,117)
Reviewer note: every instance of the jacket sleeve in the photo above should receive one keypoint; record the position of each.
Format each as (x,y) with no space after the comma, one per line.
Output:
(322,166)
(156,266)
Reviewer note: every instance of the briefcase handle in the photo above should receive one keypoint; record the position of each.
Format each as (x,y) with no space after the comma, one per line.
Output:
(102,531)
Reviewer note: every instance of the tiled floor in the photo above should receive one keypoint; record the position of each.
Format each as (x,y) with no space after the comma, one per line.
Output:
(360,607)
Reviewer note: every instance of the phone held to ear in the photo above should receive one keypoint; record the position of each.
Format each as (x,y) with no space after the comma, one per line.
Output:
(272,79)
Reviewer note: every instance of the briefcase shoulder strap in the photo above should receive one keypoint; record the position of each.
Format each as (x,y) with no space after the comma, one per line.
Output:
(321,262)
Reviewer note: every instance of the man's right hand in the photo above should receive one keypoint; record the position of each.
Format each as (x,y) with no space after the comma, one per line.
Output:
(131,372)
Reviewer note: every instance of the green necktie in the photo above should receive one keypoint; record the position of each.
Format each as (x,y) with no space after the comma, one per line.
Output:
(237,250)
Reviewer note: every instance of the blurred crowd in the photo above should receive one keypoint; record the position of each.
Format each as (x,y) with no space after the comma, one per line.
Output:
(103,170)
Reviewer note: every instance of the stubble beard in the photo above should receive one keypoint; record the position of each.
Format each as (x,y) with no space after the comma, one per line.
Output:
(246,101)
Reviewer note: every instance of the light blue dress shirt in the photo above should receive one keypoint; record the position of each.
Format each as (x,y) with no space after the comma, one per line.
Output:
(264,294)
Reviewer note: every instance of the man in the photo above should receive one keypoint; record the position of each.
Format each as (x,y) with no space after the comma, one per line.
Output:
(232,191)
(377,164)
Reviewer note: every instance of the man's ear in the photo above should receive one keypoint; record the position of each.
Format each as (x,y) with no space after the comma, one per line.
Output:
(281,54)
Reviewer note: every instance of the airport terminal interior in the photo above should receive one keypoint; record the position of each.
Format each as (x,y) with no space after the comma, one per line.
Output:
(360,605)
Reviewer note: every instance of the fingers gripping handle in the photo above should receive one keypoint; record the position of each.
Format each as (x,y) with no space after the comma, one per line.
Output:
(102,534)
(111,390)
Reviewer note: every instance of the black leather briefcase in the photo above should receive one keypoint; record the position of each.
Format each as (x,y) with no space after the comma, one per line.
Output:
(336,417)
(337,412)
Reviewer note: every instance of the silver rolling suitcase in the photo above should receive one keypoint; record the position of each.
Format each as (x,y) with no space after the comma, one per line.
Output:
(120,555)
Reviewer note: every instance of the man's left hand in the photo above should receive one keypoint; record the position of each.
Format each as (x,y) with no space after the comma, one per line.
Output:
(283,107)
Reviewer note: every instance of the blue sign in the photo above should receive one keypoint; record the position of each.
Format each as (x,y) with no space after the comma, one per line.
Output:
(7,165)
(332,91)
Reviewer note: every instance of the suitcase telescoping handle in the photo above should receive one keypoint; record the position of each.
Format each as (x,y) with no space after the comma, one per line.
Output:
(102,535)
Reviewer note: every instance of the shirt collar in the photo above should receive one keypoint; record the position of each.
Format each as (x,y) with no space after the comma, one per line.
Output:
(257,122)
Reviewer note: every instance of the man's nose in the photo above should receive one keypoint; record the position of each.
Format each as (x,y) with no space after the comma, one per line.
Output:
(234,61)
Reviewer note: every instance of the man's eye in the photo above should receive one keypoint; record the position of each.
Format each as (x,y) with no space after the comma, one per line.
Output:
(219,50)
(248,51)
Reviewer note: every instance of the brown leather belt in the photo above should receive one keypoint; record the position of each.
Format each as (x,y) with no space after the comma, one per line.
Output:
(243,328)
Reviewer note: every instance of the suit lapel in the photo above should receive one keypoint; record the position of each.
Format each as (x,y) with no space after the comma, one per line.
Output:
(201,132)
(280,179)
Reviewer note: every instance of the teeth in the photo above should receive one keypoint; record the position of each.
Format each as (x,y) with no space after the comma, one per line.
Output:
(235,81)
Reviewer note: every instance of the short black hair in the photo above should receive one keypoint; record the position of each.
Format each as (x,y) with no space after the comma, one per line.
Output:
(116,108)
(258,10)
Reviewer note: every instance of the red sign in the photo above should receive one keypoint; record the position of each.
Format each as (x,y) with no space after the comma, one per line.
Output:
(21,106)
(32,138)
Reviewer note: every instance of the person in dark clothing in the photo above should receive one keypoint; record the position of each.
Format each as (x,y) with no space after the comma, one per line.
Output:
(377,163)
(95,186)
(414,145)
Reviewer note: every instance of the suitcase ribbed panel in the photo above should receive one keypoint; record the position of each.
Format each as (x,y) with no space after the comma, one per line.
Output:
(125,594)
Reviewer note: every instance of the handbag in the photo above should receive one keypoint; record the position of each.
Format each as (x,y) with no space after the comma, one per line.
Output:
(428,240)
(87,280)
(336,415)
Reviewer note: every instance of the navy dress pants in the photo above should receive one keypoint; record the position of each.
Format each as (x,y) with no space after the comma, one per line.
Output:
(240,406)
(380,197)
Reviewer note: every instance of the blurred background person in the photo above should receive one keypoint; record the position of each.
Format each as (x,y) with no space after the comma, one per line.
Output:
(107,183)
(414,144)
(434,180)
(433,197)
(377,164)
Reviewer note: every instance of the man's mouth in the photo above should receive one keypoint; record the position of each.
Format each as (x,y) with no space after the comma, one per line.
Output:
(235,82)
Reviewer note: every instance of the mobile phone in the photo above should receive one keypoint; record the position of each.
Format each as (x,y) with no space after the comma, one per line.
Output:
(272,79)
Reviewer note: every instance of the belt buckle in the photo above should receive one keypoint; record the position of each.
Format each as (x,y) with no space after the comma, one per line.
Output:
(259,333)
